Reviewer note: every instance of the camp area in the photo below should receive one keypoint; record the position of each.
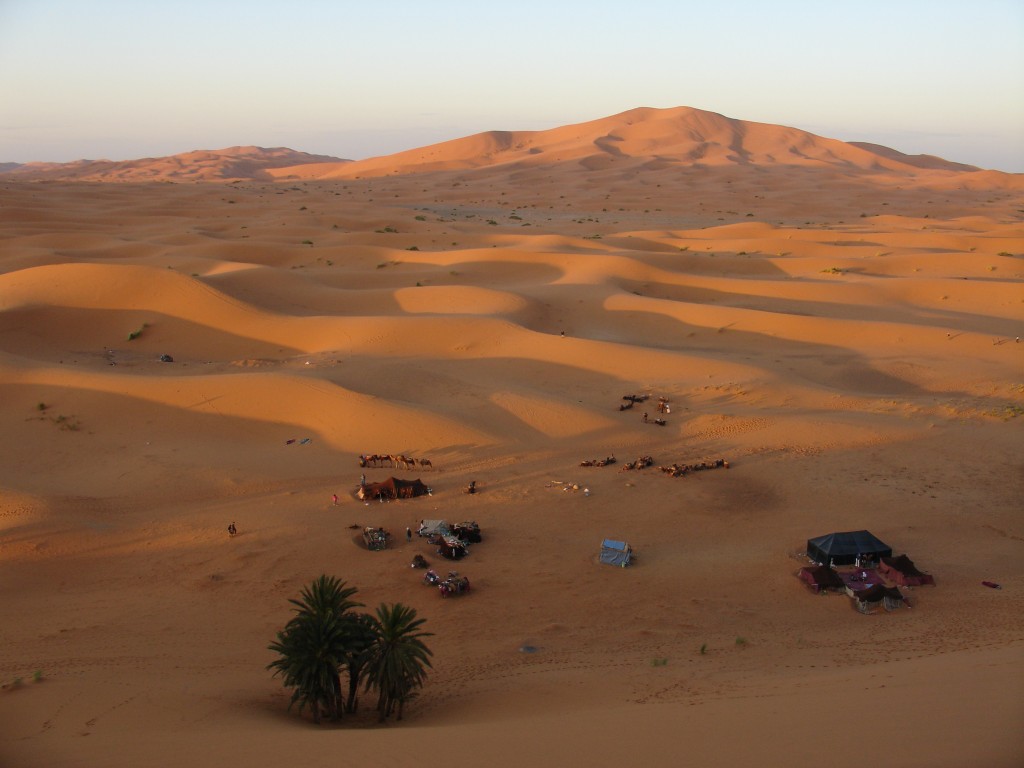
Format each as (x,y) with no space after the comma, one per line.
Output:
(392,488)
(860,565)
(614,552)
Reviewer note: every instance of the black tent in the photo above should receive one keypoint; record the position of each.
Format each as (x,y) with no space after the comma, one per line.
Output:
(393,488)
(844,548)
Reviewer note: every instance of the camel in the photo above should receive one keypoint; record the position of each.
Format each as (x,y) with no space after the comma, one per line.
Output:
(399,460)
(426,463)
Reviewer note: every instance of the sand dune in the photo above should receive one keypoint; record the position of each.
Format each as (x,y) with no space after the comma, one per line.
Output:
(839,321)
(227,164)
(640,138)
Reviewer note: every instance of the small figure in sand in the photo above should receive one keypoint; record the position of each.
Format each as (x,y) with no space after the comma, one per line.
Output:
(645,417)
(232,530)
(362,481)
(471,488)
(408,535)
(334,499)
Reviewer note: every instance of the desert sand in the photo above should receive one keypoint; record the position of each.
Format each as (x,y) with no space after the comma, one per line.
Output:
(838,321)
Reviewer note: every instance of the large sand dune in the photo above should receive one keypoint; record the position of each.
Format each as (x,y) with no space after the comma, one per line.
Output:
(838,321)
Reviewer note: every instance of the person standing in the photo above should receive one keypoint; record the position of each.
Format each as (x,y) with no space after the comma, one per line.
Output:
(408,534)
(334,499)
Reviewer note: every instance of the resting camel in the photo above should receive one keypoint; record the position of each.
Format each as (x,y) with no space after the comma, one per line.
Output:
(643,461)
(598,462)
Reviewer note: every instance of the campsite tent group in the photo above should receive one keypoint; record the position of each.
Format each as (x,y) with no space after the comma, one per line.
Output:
(868,586)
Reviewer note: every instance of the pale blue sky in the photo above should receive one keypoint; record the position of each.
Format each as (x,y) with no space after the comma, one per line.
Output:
(122,79)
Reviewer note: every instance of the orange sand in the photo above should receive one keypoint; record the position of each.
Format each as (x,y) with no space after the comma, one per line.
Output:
(838,321)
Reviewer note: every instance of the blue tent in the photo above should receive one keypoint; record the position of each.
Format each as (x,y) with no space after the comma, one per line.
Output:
(615,553)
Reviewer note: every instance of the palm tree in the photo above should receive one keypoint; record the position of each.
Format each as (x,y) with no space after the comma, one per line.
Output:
(358,656)
(315,643)
(398,658)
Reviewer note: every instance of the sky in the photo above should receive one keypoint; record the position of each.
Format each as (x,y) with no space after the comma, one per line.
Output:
(125,79)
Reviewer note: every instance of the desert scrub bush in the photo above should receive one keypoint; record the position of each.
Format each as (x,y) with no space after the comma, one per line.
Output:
(703,649)
(386,231)
(833,271)
(413,248)
(1008,412)
(307,242)
(741,641)
(421,218)
(41,406)
(67,423)
(1004,253)
(659,662)
(138,332)
(37,676)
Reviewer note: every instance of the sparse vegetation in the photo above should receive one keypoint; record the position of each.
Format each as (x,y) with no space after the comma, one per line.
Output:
(833,271)
(659,662)
(703,649)
(307,242)
(138,332)
(1010,411)
(67,423)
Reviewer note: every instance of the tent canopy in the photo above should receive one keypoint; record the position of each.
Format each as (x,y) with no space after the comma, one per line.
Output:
(432,527)
(821,577)
(844,548)
(902,571)
(615,552)
(393,488)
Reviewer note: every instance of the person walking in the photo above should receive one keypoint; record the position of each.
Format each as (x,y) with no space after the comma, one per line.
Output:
(334,499)
(408,534)
(232,530)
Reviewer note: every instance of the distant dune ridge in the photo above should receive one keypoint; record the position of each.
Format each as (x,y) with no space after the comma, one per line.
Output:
(199,165)
(639,138)
(216,337)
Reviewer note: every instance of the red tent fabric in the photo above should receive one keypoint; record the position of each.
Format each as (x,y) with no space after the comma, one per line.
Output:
(901,570)
(820,578)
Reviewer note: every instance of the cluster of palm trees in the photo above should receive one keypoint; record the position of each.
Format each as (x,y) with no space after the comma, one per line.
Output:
(326,638)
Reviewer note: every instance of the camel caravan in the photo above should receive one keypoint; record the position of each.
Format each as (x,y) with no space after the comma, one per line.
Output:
(642,462)
(395,461)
